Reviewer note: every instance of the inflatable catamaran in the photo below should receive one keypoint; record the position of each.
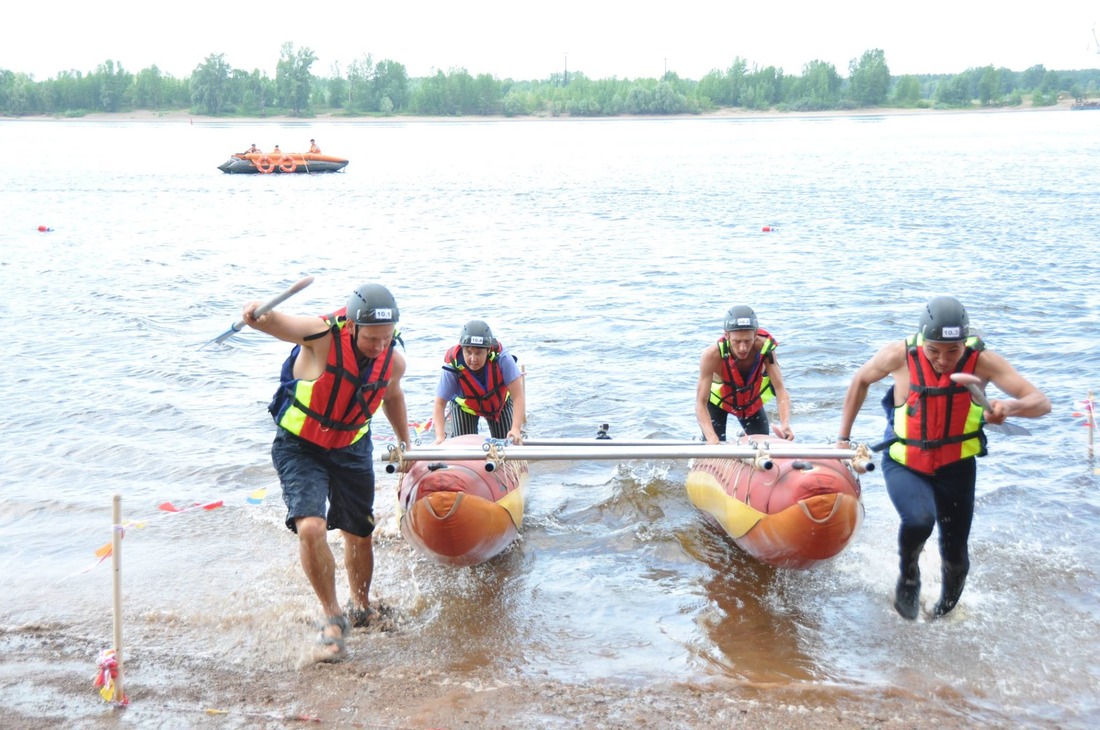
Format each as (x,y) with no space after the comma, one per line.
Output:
(786,505)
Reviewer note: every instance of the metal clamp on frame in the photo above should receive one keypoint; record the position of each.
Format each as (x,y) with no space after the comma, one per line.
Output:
(762,461)
(863,461)
(494,454)
(396,459)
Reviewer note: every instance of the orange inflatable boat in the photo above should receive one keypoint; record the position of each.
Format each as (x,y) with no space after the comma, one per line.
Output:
(793,515)
(456,512)
(269,162)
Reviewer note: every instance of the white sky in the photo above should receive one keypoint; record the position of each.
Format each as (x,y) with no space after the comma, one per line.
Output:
(529,40)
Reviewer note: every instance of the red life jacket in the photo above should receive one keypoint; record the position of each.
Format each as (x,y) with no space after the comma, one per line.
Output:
(938,424)
(486,400)
(334,410)
(743,396)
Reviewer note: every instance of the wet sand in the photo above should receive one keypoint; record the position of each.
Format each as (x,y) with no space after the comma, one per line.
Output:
(47,683)
(249,667)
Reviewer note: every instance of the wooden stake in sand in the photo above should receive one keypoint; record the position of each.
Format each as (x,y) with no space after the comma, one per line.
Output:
(1091,421)
(116,561)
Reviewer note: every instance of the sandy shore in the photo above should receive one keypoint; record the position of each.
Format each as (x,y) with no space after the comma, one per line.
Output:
(143,115)
(47,681)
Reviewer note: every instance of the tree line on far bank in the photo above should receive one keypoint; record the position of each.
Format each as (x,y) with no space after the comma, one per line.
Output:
(369,88)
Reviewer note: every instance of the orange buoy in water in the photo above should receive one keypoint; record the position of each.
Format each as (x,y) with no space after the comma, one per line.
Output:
(44,229)
(769,229)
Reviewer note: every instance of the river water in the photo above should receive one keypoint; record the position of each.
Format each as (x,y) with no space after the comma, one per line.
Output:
(604,253)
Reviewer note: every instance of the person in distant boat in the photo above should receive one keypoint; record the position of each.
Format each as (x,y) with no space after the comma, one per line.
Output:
(314,148)
(934,433)
(344,366)
(252,149)
(276,151)
(737,376)
(480,379)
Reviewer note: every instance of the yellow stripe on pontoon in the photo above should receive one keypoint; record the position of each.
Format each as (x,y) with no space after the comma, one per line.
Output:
(513,502)
(707,494)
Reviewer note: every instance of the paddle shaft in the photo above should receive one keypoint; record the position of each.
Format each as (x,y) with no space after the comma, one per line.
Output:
(265,308)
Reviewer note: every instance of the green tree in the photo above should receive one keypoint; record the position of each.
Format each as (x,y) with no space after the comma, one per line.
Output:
(113,84)
(763,87)
(1046,93)
(1032,77)
(869,79)
(390,81)
(150,89)
(293,80)
(430,96)
(360,91)
(954,92)
(666,99)
(907,91)
(210,85)
(336,88)
(715,87)
(486,92)
(819,87)
(17,93)
(639,100)
(989,86)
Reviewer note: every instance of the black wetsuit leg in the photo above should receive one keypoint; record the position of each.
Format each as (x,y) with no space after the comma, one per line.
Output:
(718,418)
(756,424)
(944,499)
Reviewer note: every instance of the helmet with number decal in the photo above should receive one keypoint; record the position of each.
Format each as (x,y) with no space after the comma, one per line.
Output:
(741,317)
(476,333)
(944,319)
(372,304)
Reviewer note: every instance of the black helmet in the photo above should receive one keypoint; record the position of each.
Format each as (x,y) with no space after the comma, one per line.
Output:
(944,320)
(741,318)
(372,304)
(476,333)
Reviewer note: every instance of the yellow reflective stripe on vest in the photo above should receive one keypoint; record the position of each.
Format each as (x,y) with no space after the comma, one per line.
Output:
(294,419)
(462,403)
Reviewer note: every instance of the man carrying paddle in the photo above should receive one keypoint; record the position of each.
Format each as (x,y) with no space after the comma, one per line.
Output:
(934,432)
(343,367)
(739,375)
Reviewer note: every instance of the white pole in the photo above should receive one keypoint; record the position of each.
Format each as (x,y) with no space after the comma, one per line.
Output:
(116,561)
(1091,423)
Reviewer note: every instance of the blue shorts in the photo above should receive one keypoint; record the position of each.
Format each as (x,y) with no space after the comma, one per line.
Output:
(311,476)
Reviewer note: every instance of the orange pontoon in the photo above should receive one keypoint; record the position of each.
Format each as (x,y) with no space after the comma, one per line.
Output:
(456,512)
(796,514)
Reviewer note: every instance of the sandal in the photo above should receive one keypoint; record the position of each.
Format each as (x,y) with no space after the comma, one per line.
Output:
(340,642)
(360,618)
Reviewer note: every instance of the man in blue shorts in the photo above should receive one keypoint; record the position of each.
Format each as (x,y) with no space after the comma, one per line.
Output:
(343,367)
